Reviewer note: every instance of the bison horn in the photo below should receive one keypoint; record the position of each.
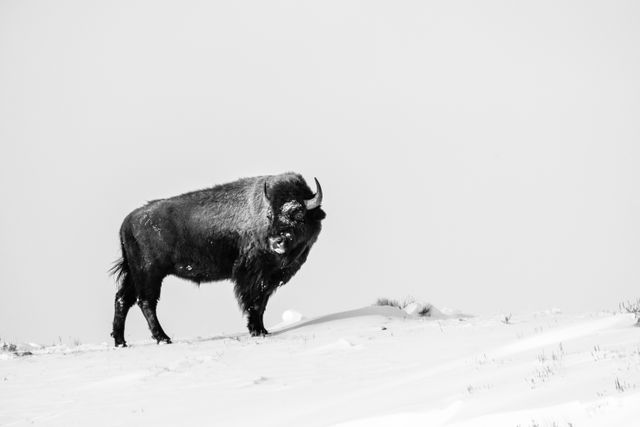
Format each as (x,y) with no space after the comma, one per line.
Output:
(266,194)
(316,201)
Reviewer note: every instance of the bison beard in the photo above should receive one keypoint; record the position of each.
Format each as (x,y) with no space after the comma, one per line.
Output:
(255,231)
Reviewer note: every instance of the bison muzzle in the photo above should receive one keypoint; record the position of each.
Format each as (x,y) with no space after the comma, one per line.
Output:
(257,232)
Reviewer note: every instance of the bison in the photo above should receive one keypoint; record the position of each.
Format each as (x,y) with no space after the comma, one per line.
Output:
(257,232)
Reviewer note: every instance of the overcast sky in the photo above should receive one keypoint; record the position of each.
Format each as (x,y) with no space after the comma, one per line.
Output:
(478,155)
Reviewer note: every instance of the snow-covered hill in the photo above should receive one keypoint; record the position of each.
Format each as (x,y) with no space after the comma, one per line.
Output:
(367,367)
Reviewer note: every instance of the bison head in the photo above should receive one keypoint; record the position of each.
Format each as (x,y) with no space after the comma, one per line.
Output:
(295,214)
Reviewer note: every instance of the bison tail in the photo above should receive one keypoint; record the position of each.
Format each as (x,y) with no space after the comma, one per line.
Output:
(120,268)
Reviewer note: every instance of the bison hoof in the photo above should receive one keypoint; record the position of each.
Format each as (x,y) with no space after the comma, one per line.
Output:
(163,340)
(259,333)
(118,340)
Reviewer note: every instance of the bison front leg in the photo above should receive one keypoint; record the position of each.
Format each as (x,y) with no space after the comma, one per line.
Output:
(254,304)
(255,315)
(255,322)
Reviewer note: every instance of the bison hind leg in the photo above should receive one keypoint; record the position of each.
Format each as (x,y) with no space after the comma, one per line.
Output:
(148,308)
(148,296)
(125,298)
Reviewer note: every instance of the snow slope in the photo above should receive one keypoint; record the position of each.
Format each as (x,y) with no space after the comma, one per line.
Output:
(376,366)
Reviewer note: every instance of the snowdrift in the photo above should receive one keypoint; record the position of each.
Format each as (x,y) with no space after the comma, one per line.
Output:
(374,366)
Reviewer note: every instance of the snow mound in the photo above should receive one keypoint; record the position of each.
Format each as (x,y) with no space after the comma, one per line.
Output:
(414,309)
(291,316)
(372,366)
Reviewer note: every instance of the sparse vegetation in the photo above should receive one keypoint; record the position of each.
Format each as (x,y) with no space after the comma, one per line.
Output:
(424,311)
(547,367)
(408,300)
(12,348)
(623,386)
(389,302)
(9,347)
(632,307)
(471,389)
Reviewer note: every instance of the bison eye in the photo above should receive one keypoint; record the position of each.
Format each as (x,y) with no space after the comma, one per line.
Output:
(292,211)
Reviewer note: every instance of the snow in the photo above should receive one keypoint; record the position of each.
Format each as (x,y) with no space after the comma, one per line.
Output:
(413,308)
(373,366)
(291,316)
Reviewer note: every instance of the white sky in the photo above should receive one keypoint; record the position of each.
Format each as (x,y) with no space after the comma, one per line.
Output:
(479,155)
